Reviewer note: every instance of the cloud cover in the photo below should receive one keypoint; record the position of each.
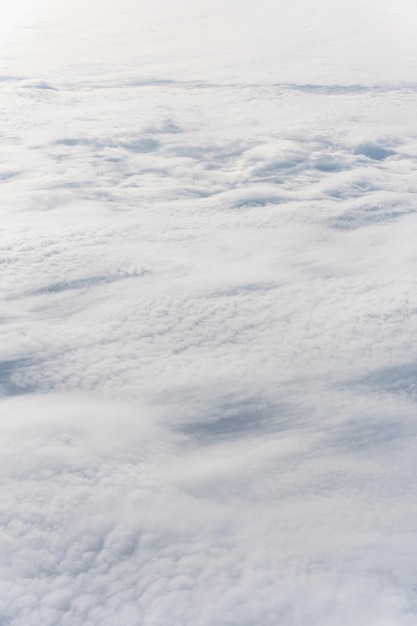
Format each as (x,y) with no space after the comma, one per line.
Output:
(208,307)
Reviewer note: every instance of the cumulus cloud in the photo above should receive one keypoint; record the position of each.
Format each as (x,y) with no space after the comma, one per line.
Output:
(208,316)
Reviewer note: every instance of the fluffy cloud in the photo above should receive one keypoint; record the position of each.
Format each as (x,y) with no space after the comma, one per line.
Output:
(208,318)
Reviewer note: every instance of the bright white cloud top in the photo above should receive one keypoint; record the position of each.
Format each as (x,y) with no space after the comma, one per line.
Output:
(209,313)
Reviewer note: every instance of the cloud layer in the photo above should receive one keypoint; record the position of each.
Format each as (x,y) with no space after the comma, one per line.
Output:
(208,318)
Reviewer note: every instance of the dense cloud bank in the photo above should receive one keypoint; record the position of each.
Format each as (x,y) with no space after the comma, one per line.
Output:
(208,316)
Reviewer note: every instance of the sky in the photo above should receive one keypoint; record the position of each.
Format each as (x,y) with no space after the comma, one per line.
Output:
(208,308)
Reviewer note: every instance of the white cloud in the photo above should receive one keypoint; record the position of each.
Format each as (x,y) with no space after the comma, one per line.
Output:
(208,315)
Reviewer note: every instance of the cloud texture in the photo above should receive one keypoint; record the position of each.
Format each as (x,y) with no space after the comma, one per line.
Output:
(208,315)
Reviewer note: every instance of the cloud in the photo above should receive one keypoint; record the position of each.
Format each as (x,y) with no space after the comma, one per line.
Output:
(208,316)
(114,515)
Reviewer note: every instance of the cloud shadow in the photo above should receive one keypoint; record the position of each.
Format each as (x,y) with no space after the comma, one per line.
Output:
(8,370)
(238,418)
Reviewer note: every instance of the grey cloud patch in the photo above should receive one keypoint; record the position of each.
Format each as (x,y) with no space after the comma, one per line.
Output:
(135,144)
(10,370)
(37,84)
(10,79)
(373,151)
(317,89)
(237,418)
(87,283)
(400,379)
(7,175)
(330,90)
(369,213)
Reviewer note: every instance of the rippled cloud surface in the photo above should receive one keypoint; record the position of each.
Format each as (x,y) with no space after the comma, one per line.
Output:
(208,306)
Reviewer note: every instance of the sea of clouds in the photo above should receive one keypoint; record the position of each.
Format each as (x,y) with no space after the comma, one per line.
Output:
(208,306)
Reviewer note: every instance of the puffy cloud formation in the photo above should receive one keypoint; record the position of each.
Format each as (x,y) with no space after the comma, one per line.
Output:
(208,314)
